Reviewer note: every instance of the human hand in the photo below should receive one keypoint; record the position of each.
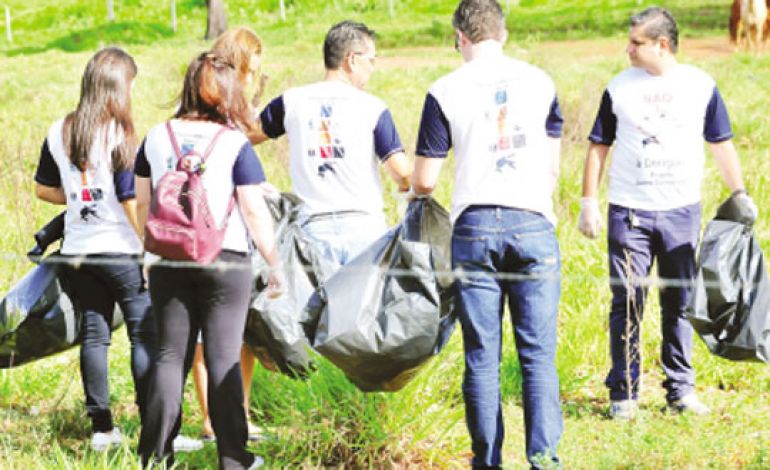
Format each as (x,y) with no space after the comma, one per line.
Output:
(590,219)
(276,283)
(744,198)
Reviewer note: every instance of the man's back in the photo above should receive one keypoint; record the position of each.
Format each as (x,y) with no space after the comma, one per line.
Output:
(499,111)
(336,132)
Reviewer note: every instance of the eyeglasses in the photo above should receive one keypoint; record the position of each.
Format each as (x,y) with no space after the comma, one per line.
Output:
(638,43)
(370,58)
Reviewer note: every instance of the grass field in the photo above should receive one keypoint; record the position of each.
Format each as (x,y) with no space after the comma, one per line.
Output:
(325,421)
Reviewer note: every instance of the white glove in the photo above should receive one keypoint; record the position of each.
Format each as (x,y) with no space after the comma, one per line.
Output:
(276,282)
(590,219)
(746,199)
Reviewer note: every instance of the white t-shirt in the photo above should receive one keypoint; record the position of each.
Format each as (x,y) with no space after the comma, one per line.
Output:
(232,163)
(337,136)
(498,113)
(657,125)
(95,221)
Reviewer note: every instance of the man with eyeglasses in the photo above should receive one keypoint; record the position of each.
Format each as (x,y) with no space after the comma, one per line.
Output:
(338,135)
(502,117)
(656,114)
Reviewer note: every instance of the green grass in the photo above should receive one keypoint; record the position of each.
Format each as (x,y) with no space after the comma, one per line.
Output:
(82,25)
(325,421)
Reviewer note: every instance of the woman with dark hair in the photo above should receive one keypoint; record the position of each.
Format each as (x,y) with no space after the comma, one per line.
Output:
(213,299)
(86,163)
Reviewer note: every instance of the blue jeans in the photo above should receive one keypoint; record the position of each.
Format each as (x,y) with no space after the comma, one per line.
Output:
(344,235)
(98,286)
(489,241)
(636,238)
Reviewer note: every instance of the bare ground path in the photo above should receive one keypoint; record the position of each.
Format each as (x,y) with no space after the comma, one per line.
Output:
(572,50)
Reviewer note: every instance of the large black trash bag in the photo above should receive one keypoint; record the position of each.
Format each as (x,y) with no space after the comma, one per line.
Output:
(731,303)
(388,311)
(274,326)
(39,316)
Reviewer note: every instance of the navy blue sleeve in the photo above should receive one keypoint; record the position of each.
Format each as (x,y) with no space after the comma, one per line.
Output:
(272,118)
(142,166)
(47,172)
(434,139)
(124,184)
(716,125)
(554,122)
(247,168)
(386,139)
(606,123)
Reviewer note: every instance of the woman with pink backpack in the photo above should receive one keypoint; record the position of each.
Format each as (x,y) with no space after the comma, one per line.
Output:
(202,175)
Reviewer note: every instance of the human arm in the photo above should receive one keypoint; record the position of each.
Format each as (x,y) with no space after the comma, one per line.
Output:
(143,196)
(129,207)
(259,223)
(399,168)
(726,159)
(257,135)
(593,169)
(54,195)
(426,173)
(48,185)
(269,125)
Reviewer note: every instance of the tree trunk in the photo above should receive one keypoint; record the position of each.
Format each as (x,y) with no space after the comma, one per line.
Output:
(216,23)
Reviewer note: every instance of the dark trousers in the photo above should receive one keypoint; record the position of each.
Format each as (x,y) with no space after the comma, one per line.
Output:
(635,239)
(99,282)
(186,300)
(489,241)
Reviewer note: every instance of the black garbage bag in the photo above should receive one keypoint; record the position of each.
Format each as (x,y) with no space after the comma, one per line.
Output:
(730,308)
(388,311)
(274,327)
(39,316)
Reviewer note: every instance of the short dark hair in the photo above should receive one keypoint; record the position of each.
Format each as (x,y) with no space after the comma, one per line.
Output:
(479,20)
(342,39)
(658,22)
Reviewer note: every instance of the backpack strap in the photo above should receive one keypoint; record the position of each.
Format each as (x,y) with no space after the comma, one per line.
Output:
(209,149)
(204,157)
(172,137)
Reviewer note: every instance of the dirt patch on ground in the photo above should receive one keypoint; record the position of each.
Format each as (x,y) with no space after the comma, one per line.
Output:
(567,50)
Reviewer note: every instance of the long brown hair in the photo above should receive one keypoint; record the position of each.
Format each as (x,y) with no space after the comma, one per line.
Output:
(105,96)
(237,46)
(213,92)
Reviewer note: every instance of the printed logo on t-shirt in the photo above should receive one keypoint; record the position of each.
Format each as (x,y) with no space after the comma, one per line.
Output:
(656,165)
(509,136)
(329,147)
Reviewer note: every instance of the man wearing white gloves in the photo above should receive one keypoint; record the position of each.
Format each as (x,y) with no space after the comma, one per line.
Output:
(656,113)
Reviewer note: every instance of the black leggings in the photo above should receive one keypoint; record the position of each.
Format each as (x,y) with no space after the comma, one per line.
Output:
(186,300)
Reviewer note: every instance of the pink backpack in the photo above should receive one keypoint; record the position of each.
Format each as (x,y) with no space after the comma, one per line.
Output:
(180,225)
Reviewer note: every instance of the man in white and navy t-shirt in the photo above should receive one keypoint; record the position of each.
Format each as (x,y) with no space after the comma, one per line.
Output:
(502,117)
(656,114)
(338,136)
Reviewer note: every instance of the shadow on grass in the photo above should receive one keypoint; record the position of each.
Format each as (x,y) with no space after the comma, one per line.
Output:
(121,32)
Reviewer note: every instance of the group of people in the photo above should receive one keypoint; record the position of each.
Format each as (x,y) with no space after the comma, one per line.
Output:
(501,117)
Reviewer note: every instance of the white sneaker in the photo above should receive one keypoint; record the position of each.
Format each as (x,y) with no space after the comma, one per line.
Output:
(101,441)
(258,462)
(689,403)
(186,444)
(623,409)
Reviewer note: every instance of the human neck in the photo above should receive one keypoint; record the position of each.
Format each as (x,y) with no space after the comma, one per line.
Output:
(485,48)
